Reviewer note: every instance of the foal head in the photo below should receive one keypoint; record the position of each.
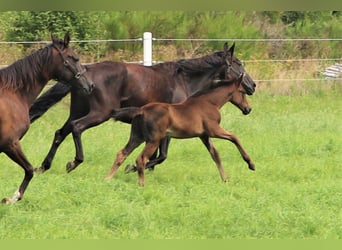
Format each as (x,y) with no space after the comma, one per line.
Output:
(68,68)
(239,98)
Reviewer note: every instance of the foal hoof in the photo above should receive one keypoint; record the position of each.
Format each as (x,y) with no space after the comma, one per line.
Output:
(251,167)
(130,168)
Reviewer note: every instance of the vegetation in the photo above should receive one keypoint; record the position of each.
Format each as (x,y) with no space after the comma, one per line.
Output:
(293,138)
(293,135)
(37,26)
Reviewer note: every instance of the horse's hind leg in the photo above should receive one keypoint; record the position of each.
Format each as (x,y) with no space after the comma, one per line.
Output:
(133,143)
(215,155)
(163,148)
(154,160)
(16,154)
(142,159)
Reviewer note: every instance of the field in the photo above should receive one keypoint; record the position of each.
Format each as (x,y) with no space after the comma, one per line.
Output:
(294,138)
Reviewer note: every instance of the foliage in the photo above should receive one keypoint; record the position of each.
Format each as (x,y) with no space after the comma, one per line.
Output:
(34,26)
(293,138)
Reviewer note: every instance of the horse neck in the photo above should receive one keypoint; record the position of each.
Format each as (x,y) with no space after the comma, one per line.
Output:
(200,82)
(29,75)
(220,95)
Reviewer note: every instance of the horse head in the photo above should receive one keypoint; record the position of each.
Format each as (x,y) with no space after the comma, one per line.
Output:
(67,67)
(235,69)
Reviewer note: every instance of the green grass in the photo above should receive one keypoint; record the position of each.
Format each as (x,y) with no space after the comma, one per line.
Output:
(294,139)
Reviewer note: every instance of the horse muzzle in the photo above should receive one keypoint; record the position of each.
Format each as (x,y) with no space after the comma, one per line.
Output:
(246,111)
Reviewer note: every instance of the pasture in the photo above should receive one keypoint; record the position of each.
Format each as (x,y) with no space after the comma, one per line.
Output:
(293,137)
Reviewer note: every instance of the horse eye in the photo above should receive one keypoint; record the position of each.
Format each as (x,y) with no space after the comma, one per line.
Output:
(76,59)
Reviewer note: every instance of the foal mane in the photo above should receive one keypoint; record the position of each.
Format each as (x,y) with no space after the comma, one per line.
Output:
(25,70)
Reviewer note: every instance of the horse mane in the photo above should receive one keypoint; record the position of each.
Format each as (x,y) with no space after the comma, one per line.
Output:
(193,66)
(25,70)
(202,64)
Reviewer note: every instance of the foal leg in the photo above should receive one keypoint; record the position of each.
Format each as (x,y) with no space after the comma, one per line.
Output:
(222,133)
(163,148)
(142,159)
(15,153)
(215,155)
(121,156)
(154,160)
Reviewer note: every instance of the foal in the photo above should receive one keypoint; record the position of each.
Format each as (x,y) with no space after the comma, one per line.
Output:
(198,116)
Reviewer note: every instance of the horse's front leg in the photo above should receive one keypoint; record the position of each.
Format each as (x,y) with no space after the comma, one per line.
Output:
(77,127)
(60,135)
(15,153)
(221,133)
(214,155)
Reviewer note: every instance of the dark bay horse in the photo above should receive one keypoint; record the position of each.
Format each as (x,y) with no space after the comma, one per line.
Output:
(20,84)
(198,116)
(124,85)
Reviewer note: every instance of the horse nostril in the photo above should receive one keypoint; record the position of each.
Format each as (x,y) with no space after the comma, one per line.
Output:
(92,86)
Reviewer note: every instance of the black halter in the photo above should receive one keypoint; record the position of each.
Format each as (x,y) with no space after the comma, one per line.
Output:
(77,74)
(230,68)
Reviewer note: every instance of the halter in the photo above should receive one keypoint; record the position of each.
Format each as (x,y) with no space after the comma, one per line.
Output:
(77,74)
(230,68)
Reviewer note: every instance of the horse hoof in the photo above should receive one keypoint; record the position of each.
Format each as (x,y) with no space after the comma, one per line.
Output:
(130,168)
(39,170)
(70,166)
(251,167)
(5,201)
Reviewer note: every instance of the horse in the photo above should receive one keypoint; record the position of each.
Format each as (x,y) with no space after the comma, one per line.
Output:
(20,84)
(123,85)
(197,116)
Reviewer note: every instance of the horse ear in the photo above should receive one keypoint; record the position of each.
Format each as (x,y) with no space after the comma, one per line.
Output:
(231,49)
(66,39)
(225,48)
(54,39)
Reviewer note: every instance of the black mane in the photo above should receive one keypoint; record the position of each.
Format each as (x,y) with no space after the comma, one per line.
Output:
(202,64)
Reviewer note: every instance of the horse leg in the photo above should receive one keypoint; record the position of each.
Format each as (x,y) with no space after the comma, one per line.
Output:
(142,159)
(121,156)
(163,148)
(77,127)
(215,155)
(154,160)
(223,134)
(16,154)
(60,135)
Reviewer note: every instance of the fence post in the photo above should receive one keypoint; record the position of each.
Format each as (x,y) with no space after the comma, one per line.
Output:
(147,40)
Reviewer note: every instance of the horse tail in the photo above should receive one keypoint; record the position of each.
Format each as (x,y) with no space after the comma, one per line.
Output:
(48,99)
(126,114)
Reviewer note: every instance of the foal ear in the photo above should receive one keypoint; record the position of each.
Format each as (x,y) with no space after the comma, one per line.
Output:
(66,39)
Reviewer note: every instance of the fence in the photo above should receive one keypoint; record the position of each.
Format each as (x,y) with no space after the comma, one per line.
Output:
(334,71)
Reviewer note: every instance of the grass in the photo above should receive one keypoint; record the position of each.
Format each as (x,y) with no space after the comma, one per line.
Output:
(294,139)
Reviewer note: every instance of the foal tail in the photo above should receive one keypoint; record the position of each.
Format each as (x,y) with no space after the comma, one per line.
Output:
(126,114)
(48,99)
